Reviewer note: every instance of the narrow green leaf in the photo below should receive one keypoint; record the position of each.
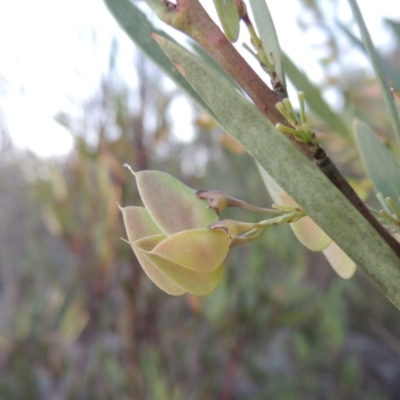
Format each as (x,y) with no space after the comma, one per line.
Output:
(314,98)
(139,29)
(201,53)
(379,162)
(379,70)
(266,30)
(297,175)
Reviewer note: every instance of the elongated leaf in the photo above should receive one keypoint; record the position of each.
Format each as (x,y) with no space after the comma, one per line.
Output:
(139,29)
(379,70)
(315,99)
(266,30)
(297,175)
(379,162)
(199,51)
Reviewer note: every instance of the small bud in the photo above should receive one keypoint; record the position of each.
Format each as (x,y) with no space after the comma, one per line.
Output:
(228,14)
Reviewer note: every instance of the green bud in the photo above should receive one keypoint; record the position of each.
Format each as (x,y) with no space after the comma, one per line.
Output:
(228,14)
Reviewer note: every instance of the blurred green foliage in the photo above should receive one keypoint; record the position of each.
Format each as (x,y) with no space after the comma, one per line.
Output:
(79,320)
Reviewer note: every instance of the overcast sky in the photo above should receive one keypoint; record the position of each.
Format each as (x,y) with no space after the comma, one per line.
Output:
(53,53)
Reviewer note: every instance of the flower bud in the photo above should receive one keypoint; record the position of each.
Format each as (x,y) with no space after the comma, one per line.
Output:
(228,14)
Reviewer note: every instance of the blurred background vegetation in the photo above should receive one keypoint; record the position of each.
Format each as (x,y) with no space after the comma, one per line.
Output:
(80,320)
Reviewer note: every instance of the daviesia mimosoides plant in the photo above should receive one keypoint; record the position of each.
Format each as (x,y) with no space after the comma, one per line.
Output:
(284,148)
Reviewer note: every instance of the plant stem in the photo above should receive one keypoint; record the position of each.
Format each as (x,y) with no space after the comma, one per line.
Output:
(334,175)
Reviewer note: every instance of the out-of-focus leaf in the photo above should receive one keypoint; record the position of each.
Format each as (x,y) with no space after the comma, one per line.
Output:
(266,29)
(395,26)
(292,170)
(139,29)
(392,73)
(314,98)
(378,64)
(74,321)
(379,162)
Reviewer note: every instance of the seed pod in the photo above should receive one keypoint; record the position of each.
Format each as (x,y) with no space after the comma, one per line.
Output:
(172,205)
(171,238)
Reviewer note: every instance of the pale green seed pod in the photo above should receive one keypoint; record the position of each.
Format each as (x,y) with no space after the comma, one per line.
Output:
(187,262)
(173,206)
